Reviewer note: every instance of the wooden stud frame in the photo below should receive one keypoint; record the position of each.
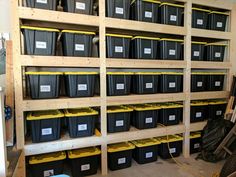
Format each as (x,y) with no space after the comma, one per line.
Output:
(103,23)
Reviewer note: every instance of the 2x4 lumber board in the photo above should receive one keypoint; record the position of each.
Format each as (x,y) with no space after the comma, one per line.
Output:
(144,26)
(211,65)
(58,61)
(57,16)
(209,95)
(135,134)
(197,126)
(139,99)
(211,34)
(60,103)
(214,3)
(136,63)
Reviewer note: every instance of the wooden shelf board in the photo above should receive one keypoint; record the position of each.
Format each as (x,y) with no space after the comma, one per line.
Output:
(59,61)
(210,65)
(209,95)
(211,34)
(149,98)
(197,126)
(214,3)
(136,63)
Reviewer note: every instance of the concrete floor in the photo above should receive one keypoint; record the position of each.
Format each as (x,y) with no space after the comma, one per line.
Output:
(168,168)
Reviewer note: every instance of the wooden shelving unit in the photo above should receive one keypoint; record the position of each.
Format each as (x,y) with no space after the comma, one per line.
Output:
(100,24)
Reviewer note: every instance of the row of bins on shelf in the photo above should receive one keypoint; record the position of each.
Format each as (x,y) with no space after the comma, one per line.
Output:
(79,43)
(86,161)
(147,11)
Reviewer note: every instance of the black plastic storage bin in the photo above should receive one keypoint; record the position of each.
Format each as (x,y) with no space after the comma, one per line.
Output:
(215,81)
(146,11)
(118,8)
(170,49)
(145,150)
(84,161)
(42,85)
(171,114)
(77,43)
(118,83)
(217,21)
(120,155)
(81,122)
(215,52)
(118,119)
(171,82)
(145,82)
(45,125)
(78,6)
(118,45)
(47,164)
(199,111)
(171,14)
(195,142)
(217,109)
(198,81)
(80,84)
(145,116)
(144,47)
(39,41)
(42,4)
(200,18)
(173,150)
(198,49)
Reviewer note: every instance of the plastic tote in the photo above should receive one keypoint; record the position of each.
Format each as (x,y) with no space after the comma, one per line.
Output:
(45,125)
(77,43)
(42,4)
(120,155)
(200,18)
(145,150)
(84,161)
(78,6)
(217,20)
(47,164)
(195,142)
(171,82)
(215,81)
(118,8)
(118,119)
(198,49)
(39,41)
(43,84)
(215,52)
(199,81)
(199,111)
(217,109)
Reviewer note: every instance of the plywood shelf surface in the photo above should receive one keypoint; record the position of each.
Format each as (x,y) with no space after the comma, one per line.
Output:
(209,95)
(198,126)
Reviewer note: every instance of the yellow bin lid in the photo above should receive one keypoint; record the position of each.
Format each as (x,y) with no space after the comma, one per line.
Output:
(172,73)
(80,112)
(83,152)
(80,73)
(119,35)
(147,73)
(43,73)
(217,44)
(199,103)
(171,105)
(45,158)
(216,102)
(118,109)
(169,138)
(173,40)
(200,9)
(78,32)
(195,135)
(151,1)
(145,107)
(40,115)
(120,73)
(171,4)
(197,42)
(221,13)
(146,37)
(120,147)
(40,29)
(146,142)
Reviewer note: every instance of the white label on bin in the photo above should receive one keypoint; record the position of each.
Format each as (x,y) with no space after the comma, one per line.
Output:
(121,160)
(198,114)
(196,53)
(85,167)
(48,173)
(82,87)
(80,6)
(148,120)
(118,49)
(79,47)
(45,88)
(119,10)
(197,145)
(46,131)
(148,85)
(200,21)
(219,24)
(219,113)
(41,45)
(42,1)
(119,123)
(172,52)
(199,84)
(148,14)
(82,127)
(173,18)
(120,86)
(172,85)
(172,150)
(149,155)
(171,117)
(217,54)
(217,84)
(147,50)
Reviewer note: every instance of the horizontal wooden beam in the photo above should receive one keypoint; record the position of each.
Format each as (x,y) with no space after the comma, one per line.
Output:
(210,65)
(197,126)
(215,3)
(211,34)
(209,95)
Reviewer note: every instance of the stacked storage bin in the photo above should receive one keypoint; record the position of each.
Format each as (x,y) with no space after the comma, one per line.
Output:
(199,111)
(217,109)
(215,81)
(195,142)
(198,51)
(199,81)
(200,18)
(217,20)
(42,4)
(118,8)
(171,82)
(215,52)
(78,6)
